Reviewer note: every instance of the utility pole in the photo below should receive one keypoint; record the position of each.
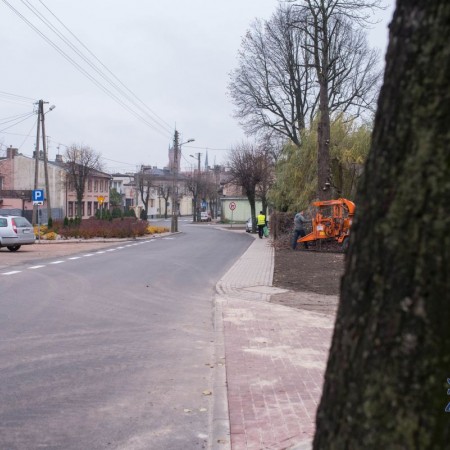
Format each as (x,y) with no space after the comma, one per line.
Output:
(41,123)
(44,147)
(176,152)
(196,215)
(36,161)
(174,223)
(199,155)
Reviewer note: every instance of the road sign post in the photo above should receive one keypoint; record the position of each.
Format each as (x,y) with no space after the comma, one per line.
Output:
(232,206)
(100,200)
(37,196)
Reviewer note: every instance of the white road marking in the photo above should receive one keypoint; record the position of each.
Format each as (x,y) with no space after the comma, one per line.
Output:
(13,272)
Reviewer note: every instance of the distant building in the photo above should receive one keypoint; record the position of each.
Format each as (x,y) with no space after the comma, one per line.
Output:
(17,173)
(17,180)
(123,183)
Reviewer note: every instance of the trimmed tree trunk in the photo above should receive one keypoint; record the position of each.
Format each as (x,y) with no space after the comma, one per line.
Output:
(323,144)
(386,380)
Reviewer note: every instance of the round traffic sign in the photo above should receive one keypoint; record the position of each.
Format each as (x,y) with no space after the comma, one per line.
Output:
(232,206)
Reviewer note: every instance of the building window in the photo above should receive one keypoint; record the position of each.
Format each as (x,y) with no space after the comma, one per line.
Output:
(82,209)
(70,209)
(89,209)
(152,203)
(95,207)
(95,185)
(1,183)
(89,185)
(101,185)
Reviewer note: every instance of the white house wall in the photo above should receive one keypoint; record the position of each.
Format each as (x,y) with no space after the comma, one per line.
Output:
(24,168)
(241,213)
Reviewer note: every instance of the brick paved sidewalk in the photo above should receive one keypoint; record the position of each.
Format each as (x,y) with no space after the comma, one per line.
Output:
(275,358)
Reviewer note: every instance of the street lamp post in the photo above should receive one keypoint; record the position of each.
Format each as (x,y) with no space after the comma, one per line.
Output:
(177,149)
(44,146)
(196,213)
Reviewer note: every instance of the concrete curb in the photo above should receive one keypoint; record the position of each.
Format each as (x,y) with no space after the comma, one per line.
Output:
(220,420)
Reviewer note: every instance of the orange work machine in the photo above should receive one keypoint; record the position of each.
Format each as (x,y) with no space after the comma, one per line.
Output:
(332,221)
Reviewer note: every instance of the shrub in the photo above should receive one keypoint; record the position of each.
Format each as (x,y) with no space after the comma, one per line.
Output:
(115,228)
(40,230)
(156,230)
(50,222)
(281,223)
(51,236)
(66,222)
(116,213)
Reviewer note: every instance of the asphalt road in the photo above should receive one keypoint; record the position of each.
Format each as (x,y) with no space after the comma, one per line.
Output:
(112,349)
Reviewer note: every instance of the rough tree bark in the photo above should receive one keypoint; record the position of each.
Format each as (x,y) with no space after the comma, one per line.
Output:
(386,380)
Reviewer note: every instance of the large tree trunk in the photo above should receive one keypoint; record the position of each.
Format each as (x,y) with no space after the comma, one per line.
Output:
(323,144)
(386,380)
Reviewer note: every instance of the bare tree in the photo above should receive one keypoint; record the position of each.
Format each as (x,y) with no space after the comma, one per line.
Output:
(272,88)
(165,192)
(309,59)
(387,376)
(246,169)
(193,182)
(267,158)
(144,182)
(344,66)
(81,162)
(208,190)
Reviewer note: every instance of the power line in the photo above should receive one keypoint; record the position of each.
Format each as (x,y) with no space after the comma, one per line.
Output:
(82,70)
(17,123)
(91,64)
(17,97)
(6,120)
(169,127)
(28,135)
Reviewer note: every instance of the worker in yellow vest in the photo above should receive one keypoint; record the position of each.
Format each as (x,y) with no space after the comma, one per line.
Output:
(261,222)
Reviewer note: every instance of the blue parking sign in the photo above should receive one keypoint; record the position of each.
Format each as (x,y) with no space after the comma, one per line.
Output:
(38,195)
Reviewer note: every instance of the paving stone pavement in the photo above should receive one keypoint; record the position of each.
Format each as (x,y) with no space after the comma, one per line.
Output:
(275,359)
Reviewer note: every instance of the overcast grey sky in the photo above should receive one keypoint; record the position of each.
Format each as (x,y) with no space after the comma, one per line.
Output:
(175,56)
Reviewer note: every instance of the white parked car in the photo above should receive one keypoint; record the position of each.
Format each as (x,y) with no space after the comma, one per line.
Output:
(15,231)
(205,216)
(248,225)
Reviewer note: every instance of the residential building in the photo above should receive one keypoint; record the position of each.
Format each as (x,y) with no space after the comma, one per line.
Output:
(95,196)
(17,180)
(123,183)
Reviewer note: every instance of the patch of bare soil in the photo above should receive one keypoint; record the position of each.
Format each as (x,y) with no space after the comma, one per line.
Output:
(312,277)
(308,270)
